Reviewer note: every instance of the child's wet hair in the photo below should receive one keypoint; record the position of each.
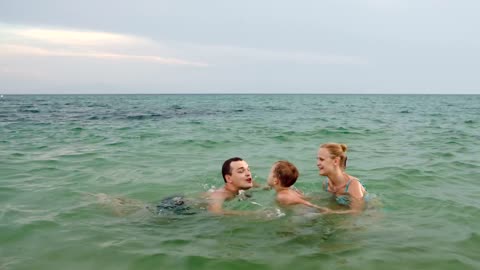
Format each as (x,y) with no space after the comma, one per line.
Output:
(285,172)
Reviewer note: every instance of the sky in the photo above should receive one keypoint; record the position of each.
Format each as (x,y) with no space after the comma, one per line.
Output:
(338,46)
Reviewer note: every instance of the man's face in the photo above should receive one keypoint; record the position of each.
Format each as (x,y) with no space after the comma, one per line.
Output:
(240,176)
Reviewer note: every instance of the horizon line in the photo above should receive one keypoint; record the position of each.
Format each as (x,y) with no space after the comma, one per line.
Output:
(235,93)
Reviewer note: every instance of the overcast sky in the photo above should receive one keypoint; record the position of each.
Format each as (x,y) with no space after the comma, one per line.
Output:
(357,46)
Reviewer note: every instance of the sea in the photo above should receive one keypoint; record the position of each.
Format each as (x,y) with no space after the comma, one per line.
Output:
(80,175)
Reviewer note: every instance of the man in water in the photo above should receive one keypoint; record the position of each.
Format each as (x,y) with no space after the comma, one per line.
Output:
(236,175)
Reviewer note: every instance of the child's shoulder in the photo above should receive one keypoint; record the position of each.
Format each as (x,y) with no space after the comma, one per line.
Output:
(287,198)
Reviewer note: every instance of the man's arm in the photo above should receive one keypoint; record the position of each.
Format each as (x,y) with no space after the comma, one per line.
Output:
(215,203)
(215,206)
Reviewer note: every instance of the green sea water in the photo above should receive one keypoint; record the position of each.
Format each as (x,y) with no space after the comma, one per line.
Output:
(418,154)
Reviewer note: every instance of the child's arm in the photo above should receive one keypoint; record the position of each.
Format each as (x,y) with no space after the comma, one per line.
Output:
(304,196)
(324,210)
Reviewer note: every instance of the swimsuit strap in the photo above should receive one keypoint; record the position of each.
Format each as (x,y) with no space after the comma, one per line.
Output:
(346,186)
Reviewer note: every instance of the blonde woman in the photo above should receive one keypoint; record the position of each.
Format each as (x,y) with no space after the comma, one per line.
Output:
(346,189)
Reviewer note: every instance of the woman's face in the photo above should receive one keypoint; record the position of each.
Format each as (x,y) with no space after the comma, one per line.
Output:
(325,162)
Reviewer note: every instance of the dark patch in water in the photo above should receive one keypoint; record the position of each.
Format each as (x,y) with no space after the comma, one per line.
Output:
(30,110)
(176,107)
(445,155)
(281,138)
(469,122)
(124,128)
(272,108)
(97,106)
(137,117)
(145,116)
(115,143)
(405,111)
(453,142)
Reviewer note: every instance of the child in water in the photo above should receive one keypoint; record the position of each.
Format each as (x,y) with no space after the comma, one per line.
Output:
(281,178)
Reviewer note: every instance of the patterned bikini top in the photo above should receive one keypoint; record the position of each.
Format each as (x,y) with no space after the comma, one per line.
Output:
(343,199)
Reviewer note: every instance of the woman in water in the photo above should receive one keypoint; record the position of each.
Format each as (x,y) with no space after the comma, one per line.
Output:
(347,190)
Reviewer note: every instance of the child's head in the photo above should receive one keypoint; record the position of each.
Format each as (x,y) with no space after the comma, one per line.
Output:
(283,173)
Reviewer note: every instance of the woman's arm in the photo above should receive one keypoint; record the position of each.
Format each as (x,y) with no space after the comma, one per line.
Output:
(324,210)
(357,192)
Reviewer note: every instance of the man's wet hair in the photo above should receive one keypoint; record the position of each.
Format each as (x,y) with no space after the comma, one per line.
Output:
(226,168)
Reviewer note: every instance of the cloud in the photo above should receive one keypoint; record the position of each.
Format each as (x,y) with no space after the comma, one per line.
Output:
(44,42)
(73,37)
(52,60)
(11,50)
(27,41)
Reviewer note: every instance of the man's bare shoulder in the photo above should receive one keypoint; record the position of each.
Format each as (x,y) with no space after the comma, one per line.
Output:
(218,194)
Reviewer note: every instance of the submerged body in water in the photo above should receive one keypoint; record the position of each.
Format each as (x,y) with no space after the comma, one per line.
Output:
(175,204)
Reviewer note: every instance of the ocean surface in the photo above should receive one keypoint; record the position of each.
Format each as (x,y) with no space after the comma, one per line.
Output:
(76,171)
